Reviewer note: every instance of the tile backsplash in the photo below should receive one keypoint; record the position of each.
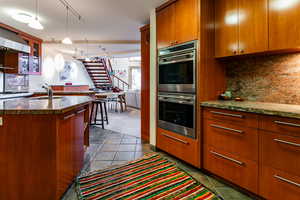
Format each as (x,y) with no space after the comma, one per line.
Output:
(269,78)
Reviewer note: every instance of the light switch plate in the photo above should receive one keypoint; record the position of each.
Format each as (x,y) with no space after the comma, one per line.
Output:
(1,121)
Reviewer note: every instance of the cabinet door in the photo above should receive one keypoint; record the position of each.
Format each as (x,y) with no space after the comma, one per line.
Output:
(227,19)
(78,147)
(145,84)
(253,26)
(284,26)
(165,26)
(186,21)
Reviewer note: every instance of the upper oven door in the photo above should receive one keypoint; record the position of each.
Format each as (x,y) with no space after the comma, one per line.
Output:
(177,71)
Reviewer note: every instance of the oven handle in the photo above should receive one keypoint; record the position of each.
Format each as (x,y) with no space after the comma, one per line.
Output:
(176,61)
(178,101)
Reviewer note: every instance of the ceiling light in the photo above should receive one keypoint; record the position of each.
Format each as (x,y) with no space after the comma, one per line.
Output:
(36,24)
(22,17)
(67,40)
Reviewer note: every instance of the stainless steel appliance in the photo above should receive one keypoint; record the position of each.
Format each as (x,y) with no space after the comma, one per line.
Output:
(12,41)
(177,113)
(177,68)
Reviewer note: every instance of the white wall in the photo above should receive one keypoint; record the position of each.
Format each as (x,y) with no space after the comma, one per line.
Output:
(153,82)
(53,62)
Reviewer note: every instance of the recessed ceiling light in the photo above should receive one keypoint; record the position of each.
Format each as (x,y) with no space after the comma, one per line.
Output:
(35,23)
(22,17)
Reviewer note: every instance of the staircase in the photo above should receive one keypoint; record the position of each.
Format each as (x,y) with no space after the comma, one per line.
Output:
(101,73)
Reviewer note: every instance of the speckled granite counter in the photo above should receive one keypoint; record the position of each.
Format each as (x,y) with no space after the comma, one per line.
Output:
(58,105)
(282,110)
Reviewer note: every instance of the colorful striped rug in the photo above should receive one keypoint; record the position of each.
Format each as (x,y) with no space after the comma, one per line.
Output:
(151,177)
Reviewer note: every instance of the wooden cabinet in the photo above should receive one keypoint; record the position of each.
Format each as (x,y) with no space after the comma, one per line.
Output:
(257,152)
(284,24)
(241,27)
(31,63)
(10,61)
(177,22)
(26,63)
(42,154)
(226,38)
(145,83)
(165,26)
(231,146)
(182,147)
(236,169)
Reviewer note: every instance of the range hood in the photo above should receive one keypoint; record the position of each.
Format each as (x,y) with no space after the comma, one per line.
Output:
(12,41)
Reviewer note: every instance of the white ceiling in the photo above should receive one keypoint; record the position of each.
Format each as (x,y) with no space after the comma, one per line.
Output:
(102,20)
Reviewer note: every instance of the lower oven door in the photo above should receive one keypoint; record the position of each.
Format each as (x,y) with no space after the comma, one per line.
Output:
(177,115)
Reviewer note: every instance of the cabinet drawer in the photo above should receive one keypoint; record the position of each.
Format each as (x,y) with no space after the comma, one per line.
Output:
(238,170)
(238,140)
(280,125)
(280,151)
(278,185)
(179,146)
(233,117)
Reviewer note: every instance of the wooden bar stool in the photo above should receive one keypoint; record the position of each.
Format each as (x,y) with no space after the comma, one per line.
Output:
(103,113)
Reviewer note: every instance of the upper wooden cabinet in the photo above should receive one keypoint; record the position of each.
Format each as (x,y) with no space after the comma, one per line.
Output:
(241,27)
(26,63)
(284,27)
(177,23)
(165,26)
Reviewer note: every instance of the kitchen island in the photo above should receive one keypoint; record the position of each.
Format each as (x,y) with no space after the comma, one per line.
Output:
(41,145)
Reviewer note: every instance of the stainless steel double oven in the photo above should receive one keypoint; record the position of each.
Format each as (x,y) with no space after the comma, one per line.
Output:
(177,88)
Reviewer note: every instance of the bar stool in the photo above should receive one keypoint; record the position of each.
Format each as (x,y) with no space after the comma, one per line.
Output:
(103,115)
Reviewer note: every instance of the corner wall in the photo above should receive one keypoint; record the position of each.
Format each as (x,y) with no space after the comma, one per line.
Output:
(153,82)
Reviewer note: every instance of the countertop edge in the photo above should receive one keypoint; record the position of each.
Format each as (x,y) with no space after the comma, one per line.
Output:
(44,112)
(252,110)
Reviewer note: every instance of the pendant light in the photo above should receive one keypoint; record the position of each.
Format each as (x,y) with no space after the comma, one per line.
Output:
(87,59)
(35,23)
(67,40)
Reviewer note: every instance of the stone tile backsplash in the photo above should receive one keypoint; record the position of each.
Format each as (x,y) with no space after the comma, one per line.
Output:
(268,78)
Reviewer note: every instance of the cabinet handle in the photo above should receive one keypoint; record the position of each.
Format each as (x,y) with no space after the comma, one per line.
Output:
(227,114)
(81,111)
(225,128)
(286,142)
(174,138)
(287,124)
(227,158)
(69,116)
(287,181)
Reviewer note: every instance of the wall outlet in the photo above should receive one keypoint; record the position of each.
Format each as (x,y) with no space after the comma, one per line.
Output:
(1,121)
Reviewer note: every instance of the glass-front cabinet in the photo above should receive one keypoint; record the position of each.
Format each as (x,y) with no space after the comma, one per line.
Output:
(31,63)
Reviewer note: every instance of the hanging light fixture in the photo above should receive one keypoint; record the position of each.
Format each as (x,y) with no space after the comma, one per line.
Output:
(87,59)
(67,40)
(35,23)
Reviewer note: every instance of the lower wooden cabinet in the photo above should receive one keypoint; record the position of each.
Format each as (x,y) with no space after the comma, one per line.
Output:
(182,147)
(257,152)
(277,185)
(236,169)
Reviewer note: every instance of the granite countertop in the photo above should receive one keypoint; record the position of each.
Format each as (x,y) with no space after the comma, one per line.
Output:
(18,95)
(282,110)
(59,105)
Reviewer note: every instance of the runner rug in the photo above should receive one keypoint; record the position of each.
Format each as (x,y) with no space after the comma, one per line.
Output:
(151,177)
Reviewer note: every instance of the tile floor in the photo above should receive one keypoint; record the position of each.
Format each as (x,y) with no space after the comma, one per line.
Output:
(112,148)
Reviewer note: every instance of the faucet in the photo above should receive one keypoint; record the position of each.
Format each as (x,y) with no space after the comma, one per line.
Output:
(49,91)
